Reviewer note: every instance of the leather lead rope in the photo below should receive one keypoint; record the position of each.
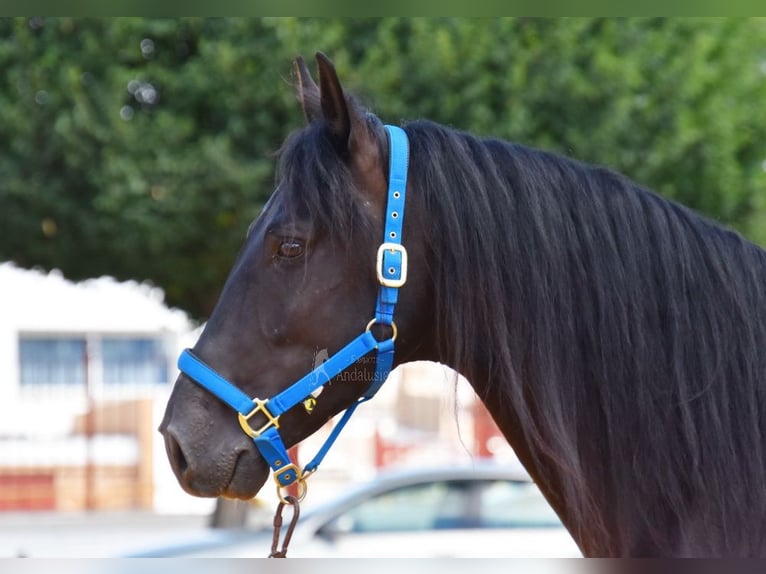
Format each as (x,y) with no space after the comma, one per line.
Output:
(276,552)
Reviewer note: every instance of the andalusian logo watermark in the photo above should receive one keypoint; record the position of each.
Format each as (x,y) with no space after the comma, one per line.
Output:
(365,376)
(348,376)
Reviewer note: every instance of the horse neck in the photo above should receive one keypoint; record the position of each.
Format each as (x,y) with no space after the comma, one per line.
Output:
(545,299)
(482,276)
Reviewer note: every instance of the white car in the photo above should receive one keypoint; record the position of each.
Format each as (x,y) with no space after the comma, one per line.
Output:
(479,510)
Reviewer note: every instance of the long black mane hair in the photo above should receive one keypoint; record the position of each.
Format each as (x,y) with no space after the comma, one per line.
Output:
(622,333)
(626,332)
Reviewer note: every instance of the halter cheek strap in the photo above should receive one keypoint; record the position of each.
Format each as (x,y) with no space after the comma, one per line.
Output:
(391,268)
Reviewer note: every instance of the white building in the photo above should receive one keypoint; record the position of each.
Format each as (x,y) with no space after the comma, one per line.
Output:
(65,346)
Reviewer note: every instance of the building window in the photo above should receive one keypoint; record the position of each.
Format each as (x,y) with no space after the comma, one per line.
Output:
(114,360)
(133,361)
(49,361)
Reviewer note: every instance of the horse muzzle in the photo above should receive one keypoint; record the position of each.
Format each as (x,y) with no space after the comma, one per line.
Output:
(207,458)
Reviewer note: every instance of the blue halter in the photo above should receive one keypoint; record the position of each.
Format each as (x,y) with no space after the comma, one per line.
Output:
(391,267)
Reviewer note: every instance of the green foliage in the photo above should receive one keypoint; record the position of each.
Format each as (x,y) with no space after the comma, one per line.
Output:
(143,148)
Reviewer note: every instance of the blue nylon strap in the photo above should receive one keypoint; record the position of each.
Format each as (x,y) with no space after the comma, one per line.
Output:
(383,366)
(338,362)
(274,452)
(399,150)
(334,433)
(287,399)
(392,264)
(215,383)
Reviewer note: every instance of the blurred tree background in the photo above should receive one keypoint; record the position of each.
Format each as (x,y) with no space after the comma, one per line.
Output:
(143,148)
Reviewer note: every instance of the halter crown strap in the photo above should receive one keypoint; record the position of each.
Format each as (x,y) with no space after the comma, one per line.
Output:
(391,269)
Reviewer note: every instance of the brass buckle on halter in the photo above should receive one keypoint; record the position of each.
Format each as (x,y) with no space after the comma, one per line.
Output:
(260,406)
(383,279)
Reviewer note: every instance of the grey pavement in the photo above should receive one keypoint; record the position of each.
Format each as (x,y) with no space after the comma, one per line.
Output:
(92,535)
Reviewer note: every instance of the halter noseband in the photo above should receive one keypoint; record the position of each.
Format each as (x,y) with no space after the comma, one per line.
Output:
(391,268)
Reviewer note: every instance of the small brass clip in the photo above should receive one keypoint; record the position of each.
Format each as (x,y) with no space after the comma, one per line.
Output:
(309,404)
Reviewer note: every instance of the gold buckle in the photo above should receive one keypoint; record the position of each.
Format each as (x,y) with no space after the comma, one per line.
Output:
(260,406)
(387,281)
(287,468)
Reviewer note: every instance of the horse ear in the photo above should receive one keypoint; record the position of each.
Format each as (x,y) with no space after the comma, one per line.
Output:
(333,100)
(348,125)
(308,92)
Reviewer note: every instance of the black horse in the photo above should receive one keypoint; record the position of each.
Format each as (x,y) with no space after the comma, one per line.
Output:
(618,339)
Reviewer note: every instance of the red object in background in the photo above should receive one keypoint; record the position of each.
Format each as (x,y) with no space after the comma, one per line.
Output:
(380,450)
(293,489)
(390,452)
(29,491)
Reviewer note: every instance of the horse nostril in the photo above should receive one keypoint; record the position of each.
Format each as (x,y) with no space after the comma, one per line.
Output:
(176,455)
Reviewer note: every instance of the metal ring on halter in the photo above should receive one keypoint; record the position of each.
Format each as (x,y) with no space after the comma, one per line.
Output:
(394,330)
(302,489)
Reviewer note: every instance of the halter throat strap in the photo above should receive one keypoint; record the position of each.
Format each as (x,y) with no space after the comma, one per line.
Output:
(391,270)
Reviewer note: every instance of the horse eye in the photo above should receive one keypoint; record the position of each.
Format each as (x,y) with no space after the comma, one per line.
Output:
(290,248)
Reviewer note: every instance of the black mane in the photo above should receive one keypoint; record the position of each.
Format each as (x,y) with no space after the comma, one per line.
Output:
(624,333)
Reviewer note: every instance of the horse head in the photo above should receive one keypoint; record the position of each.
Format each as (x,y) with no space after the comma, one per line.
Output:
(303,285)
